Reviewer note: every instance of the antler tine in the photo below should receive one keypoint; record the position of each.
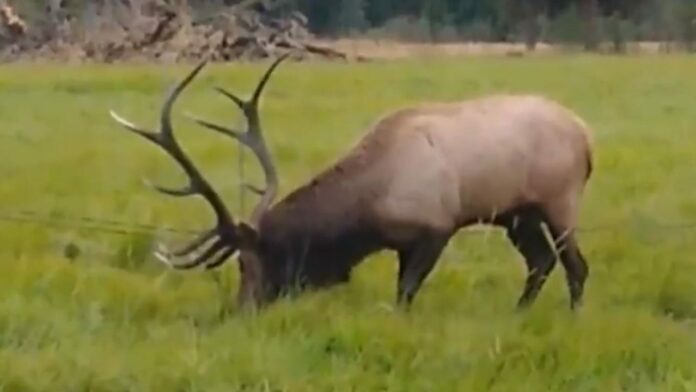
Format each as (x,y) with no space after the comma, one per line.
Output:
(164,138)
(233,133)
(253,138)
(216,248)
(258,145)
(245,105)
(197,243)
(198,185)
(166,113)
(218,261)
(238,101)
(266,77)
(223,232)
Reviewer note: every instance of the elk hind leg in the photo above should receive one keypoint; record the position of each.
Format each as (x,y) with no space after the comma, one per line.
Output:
(561,221)
(526,233)
(574,263)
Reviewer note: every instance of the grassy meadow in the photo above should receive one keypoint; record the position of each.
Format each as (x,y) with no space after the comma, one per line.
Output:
(112,319)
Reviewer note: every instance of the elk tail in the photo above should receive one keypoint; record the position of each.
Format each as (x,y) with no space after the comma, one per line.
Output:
(589,165)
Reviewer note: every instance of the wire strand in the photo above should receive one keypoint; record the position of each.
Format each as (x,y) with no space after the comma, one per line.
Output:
(111,226)
(90,223)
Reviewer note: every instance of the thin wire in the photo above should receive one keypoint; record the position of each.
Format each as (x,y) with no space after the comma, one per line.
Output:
(111,226)
(58,224)
(90,223)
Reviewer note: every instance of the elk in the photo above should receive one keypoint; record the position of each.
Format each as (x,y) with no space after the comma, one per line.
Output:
(419,175)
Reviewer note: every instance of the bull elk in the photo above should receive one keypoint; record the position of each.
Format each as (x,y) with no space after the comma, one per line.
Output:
(418,176)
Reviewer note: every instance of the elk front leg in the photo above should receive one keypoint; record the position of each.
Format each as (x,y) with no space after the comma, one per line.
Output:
(415,263)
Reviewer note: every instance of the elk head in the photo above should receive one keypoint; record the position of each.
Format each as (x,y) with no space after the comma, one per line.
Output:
(216,245)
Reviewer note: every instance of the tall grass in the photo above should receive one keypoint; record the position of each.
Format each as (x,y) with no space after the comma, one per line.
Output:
(108,318)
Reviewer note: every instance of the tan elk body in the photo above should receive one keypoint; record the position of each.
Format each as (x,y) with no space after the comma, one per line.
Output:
(417,177)
(444,166)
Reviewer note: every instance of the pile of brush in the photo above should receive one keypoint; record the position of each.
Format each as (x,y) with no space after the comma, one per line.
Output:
(156,30)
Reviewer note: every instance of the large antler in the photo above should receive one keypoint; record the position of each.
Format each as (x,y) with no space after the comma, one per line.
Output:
(223,235)
(254,140)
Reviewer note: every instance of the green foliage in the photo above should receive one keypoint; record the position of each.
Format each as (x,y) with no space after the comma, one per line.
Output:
(435,13)
(489,20)
(95,324)
(685,14)
(567,28)
(351,16)
(403,28)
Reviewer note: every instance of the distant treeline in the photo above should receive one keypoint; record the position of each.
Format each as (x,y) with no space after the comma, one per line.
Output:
(585,22)
(582,22)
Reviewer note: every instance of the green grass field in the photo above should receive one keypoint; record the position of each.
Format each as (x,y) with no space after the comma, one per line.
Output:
(113,319)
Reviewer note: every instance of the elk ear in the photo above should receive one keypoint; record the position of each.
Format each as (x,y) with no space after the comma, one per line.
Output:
(248,236)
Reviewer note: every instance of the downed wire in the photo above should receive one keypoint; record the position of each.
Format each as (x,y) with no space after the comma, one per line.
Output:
(90,223)
(115,227)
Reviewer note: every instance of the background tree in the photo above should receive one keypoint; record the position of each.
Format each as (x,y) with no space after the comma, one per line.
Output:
(588,9)
(588,22)
(351,17)
(531,11)
(435,12)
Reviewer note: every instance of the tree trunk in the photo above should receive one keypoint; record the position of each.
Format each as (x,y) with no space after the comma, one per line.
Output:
(588,9)
(617,33)
(532,30)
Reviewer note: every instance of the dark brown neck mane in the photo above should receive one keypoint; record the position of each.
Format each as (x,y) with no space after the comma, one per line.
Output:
(322,230)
